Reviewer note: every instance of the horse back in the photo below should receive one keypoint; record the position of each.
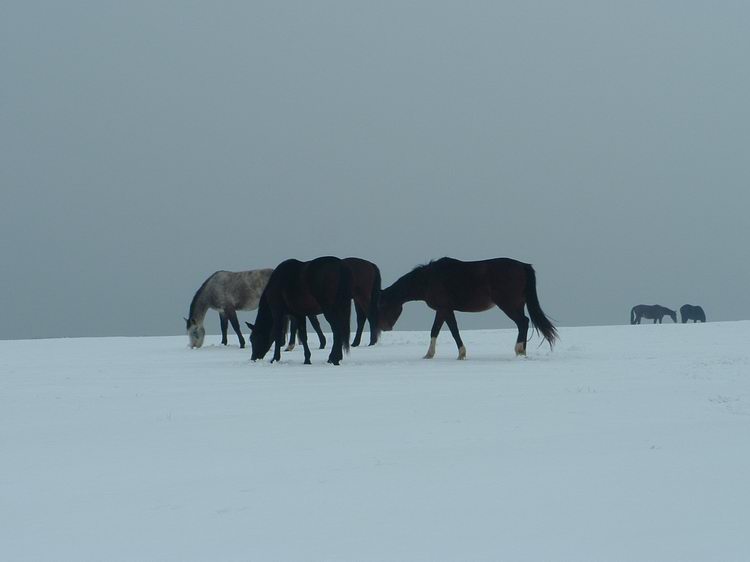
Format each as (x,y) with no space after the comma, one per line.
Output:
(238,290)
(475,286)
(305,287)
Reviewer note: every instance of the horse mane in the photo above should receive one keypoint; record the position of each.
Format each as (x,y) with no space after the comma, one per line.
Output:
(401,288)
(423,267)
(198,293)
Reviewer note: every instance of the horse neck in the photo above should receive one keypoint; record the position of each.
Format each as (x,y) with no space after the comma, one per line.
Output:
(264,318)
(199,306)
(410,287)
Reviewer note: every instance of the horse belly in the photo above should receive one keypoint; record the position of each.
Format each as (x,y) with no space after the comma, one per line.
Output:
(304,304)
(479,306)
(467,304)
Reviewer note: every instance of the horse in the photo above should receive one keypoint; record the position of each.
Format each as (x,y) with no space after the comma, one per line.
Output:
(228,292)
(692,312)
(447,285)
(298,289)
(366,294)
(655,311)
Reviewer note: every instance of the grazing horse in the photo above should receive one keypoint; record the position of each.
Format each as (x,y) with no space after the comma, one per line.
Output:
(228,292)
(655,311)
(298,289)
(691,312)
(366,294)
(447,285)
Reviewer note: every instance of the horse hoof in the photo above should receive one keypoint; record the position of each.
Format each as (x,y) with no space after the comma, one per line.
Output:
(242,346)
(308,362)
(462,353)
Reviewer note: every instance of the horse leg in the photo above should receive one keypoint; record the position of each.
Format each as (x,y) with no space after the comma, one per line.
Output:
(303,337)
(315,323)
(522,323)
(436,325)
(232,316)
(361,318)
(453,325)
(292,332)
(337,353)
(372,319)
(277,331)
(223,322)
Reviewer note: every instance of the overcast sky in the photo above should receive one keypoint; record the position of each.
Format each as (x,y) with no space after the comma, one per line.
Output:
(146,144)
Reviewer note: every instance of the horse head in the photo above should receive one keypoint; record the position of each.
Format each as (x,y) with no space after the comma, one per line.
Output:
(195,331)
(260,341)
(388,314)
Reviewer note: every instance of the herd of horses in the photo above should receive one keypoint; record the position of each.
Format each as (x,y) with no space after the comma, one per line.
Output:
(656,312)
(296,291)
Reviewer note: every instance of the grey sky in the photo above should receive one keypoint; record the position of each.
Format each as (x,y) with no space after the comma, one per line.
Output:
(144,145)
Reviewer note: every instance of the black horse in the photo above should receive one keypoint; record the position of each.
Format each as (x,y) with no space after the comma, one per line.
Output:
(298,289)
(691,312)
(655,311)
(366,295)
(447,285)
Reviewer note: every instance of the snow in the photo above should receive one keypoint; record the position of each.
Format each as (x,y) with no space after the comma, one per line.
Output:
(624,443)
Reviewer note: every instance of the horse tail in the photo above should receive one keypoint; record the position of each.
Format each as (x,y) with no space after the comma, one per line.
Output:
(374,311)
(632,315)
(540,321)
(344,304)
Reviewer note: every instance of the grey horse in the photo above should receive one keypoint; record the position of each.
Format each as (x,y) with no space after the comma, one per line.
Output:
(227,292)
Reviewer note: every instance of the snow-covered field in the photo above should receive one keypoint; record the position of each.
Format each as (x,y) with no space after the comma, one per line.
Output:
(624,443)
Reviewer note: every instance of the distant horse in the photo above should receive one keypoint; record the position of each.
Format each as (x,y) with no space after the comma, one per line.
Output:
(690,312)
(448,284)
(227,292)
(651,311)
(366,294)
(298,289)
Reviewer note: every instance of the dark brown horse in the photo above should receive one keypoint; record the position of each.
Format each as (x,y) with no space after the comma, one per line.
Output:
(692,312)
(447,285)
(297,289)
(366,294)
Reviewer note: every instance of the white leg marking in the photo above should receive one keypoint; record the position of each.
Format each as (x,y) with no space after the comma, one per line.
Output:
(289,347)
(520,349)
(462,352)
(431,350)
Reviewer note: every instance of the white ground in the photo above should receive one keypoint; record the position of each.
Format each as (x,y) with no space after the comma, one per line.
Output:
(625,443)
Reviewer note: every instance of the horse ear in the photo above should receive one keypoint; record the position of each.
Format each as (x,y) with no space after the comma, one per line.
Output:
(249,325)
